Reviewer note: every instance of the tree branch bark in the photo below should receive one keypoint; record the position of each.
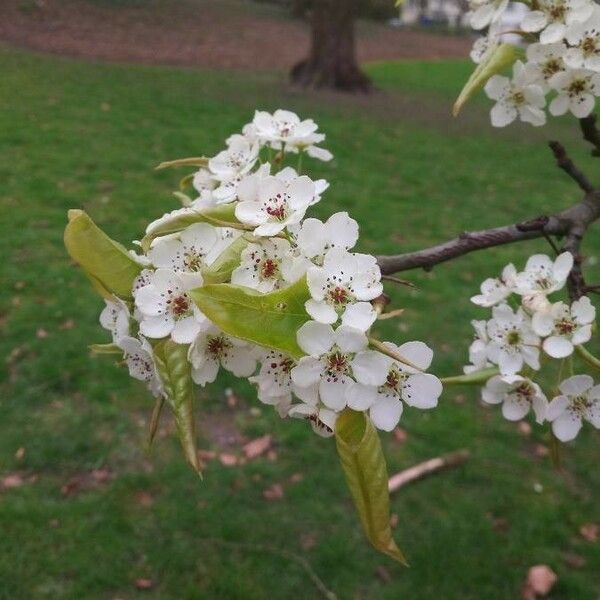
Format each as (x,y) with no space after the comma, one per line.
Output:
(590,133)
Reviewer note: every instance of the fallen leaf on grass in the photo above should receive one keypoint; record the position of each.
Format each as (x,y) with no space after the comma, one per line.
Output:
(12,481)
(228,460)
(20,453)
(524,428)
(383,574)
(206,455)
(144,499)
(144,584)
(590,532)
(296,478)
(68,324)
(540,580)
(394,520)
(257,446)
(540,451)
(400,435)
(308,540)
(575,561)
(41,333)
(275,492)
(85,481)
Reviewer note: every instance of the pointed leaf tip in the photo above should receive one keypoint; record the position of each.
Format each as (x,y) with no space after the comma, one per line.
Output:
(363,462)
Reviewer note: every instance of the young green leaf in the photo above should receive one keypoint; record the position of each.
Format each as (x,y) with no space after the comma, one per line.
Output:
(270,320)
(105,349)
(105,261)
(495,61)
(364,465)
(474,378)
(194,161)
(220,270)
(222,216)
(175,374)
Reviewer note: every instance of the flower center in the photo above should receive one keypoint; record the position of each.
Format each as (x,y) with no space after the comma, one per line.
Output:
(580,404)
(269,269)
(589,45)
(557,12)
(518,98)
(179,305)
(192,261)
(395,379)
(577,87)
(339,295)
(551,67)
(513,338)
(217,346)
(543,282)
(337,362)
(524,391)
(565,326)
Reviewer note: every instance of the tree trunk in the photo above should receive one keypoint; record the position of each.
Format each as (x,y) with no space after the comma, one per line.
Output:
(332,60)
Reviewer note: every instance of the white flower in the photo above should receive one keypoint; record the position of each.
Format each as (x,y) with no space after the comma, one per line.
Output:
(517,395)
(565,327)
(268,265)
(329,361)
(322,419)
(115,318)
(512,341)
(284,130)
(270,204)
(225,237)
(551,18)
(274,381)
(517,97)
(212,348)
(289,174)
(545,61)
(486,12)
(204,182)
(486,43)
(478,348)
(140,362)
(579,400)
(494,291)
(165,307)
(185,251)
(584,39)
(239,158)
(577,90)
(542,275)
(344,284)
(315,238)
(395,382)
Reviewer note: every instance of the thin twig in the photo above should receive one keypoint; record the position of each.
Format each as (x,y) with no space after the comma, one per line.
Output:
(568,166)
(426,468)
(319,584)
(398,280)
(590,133)
(381,347)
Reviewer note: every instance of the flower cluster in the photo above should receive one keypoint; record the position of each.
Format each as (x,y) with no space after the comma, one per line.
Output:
(517,338)
(561,63)
(342,366)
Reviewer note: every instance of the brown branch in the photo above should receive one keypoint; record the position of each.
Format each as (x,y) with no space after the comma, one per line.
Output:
(590,133)
(426,468)
(571,222)
(568,166)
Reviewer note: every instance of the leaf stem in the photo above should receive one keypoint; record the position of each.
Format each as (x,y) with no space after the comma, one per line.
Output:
(588,357)
(379,346)
(472,378)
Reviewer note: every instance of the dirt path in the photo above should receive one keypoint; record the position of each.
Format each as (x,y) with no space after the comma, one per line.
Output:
(208,33)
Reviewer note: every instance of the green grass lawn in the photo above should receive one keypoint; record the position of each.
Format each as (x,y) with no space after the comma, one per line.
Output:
(78,134)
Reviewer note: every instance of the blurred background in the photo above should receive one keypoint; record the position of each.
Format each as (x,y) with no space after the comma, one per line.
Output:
(95,93)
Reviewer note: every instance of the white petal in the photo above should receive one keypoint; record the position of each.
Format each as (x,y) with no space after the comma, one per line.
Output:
(557,407)
(422,390)
(350,339)
(503,114)
(582,335)
(185,330)
(333,392)
(513,410)
(360,315)
(386,413)
(321,311)
(583,310)
(567,426)
(370,367)
(342,230)
(558,347)
(361,397)
(157,327)
(418,353)
(207,373)
(315,338)
(250,213)
(307,372)
(576,385)
(240,361)
(562,266)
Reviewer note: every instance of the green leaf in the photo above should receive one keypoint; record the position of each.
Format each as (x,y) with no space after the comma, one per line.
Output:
(194,161)
(270,320)
(105,261)
(475,378)
(363,462)
(222,216)
(105,349)
(220,270)
(495,61)
(175,374)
